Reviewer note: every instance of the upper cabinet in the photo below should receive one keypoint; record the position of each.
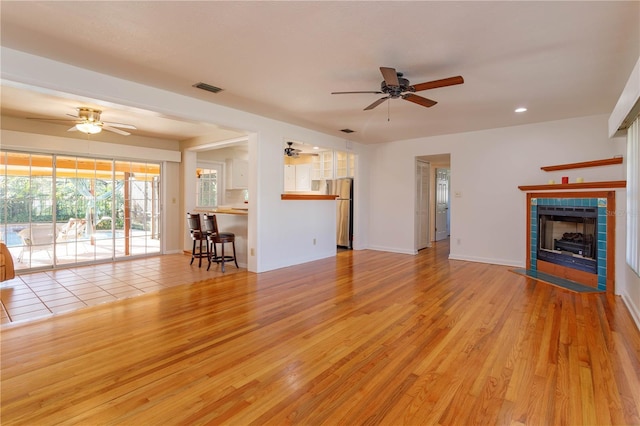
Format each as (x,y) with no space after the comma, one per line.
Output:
(323,165)
(333,165)
(237,173)
(345,164)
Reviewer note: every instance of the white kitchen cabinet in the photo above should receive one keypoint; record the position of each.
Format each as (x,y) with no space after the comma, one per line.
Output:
(289,178)
(237,174)
(303,177)
(345,164)
(297,177)
(323,165)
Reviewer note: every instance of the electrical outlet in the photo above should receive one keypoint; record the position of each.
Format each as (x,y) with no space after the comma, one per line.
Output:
(458,241)
(252,253)
(314,241)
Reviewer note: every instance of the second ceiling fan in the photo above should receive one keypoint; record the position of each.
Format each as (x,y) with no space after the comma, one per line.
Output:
(395,86)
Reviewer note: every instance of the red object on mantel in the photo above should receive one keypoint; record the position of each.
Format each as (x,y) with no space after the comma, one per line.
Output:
(565,179)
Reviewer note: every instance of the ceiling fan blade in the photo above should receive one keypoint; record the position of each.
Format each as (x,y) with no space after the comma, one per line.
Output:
(390,76)
(114,130)
(376,103)
(347,93)
(419,100)
(51,119)
(124,126)
(438,83)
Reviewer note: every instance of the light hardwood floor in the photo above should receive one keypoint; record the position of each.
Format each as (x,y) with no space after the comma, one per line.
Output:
(363,338)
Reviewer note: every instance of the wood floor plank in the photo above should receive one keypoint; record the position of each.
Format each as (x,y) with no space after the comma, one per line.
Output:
(363,338)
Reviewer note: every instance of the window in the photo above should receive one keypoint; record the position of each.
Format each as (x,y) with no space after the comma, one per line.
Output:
(633,196)
(209,185)
(61,210)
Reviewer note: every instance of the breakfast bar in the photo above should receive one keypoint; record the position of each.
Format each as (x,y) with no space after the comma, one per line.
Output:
(233,219)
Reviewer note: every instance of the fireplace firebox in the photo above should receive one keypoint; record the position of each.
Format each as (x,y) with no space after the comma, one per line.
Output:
(567,236)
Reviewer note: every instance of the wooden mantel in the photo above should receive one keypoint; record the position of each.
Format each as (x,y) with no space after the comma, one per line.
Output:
(584,164)
(578,185)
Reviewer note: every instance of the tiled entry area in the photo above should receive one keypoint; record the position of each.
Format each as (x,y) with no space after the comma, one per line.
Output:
(40,294)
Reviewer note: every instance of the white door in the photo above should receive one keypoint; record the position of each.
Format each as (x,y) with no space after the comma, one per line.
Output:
(422,204)
(442,204)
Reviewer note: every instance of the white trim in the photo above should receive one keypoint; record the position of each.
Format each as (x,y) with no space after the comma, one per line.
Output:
(492,261)
(633,310)
(412,252)
(33,142)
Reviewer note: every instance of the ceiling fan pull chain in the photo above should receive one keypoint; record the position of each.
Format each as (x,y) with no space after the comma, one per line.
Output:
(388,111)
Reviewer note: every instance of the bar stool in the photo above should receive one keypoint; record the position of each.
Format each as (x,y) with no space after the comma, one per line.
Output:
(214,237)
(197,235)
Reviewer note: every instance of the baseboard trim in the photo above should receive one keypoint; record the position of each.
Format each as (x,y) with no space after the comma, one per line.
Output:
(492,261)
(633,310)
(393,250)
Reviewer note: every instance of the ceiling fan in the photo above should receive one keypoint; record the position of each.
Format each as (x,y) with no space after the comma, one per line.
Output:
(395,86)
(88,121)
(290,151)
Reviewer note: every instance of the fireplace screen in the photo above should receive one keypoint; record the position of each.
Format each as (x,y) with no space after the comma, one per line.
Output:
(567,236)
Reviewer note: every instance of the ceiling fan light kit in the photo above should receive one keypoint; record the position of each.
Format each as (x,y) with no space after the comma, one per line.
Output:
(396,86)
(88,128)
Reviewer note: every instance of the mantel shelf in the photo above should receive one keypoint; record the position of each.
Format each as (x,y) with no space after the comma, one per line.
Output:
(580,185)
(595,163)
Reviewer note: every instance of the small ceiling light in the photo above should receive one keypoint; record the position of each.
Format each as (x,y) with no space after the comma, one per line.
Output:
(521,109)
(316,147)
(89,128)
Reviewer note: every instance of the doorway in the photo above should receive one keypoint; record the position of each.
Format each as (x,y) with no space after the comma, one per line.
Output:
(428,169)
(442,230)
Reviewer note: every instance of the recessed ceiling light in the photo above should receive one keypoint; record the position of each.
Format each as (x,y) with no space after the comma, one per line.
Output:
(316,147)
(521,109)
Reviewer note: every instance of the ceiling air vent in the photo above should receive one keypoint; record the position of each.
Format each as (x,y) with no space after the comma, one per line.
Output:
(208,87)
(347,130)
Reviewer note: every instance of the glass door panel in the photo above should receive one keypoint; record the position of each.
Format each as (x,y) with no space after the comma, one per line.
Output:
(71,207)
(138,215)
(63,210)
(40,237)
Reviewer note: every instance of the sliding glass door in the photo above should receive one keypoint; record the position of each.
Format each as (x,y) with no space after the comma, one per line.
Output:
(61,210)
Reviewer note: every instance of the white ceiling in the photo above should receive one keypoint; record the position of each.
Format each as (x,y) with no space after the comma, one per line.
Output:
(283,59)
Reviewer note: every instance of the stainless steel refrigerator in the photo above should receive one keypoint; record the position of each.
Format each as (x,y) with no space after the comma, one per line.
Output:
(343,188)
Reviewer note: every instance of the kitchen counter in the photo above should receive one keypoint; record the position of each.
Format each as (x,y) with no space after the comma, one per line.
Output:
(240,211)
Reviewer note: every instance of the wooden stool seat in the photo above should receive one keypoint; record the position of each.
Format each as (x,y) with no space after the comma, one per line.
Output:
(198,236)
(215,237)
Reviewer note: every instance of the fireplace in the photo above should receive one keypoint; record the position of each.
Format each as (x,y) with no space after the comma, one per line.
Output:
(571,236)
(567,236)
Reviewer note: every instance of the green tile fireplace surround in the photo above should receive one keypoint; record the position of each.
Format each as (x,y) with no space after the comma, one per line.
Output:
(601,201)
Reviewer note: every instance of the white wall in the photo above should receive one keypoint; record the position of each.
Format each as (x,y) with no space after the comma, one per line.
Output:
(172,243)
(488,218)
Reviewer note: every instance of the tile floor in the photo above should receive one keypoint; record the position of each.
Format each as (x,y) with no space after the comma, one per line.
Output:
(41,294)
